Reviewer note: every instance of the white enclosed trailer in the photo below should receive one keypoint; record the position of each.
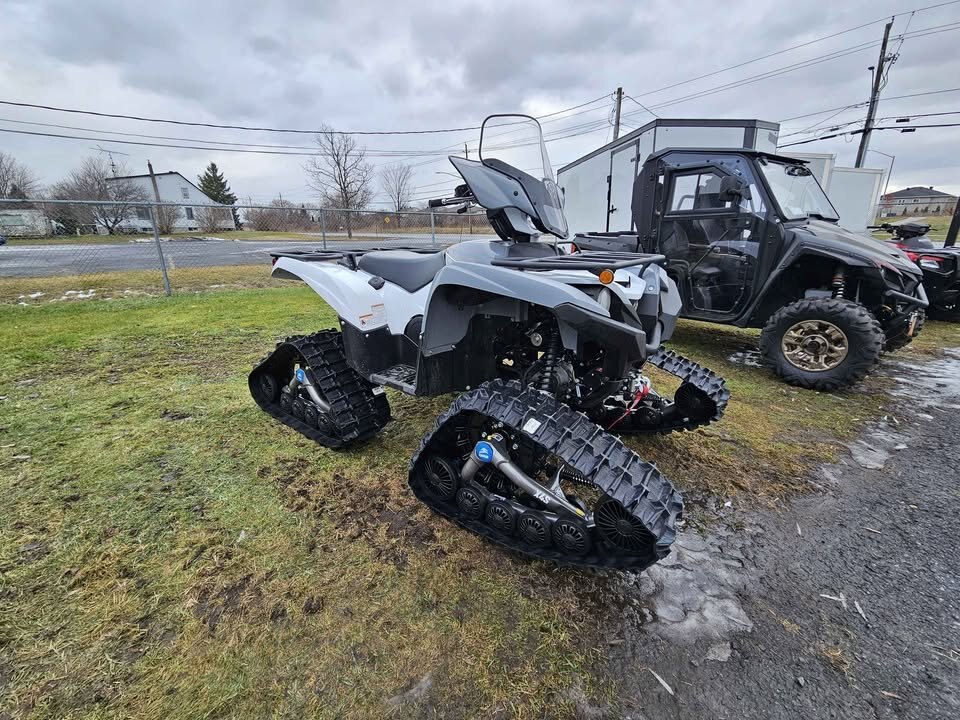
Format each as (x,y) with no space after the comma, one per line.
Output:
(598,187)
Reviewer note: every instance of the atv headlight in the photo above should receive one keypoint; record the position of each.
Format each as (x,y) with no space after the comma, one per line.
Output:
(929,263)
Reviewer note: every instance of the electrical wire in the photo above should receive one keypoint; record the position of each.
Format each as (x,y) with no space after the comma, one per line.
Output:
(923,32)
(864,104)
(851,133)
(794,47)
(269,129)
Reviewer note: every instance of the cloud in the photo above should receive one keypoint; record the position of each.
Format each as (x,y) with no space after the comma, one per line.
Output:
(418,64)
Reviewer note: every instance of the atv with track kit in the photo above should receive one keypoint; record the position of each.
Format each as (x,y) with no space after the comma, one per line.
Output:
(751,240)
(546,349)
(940,266)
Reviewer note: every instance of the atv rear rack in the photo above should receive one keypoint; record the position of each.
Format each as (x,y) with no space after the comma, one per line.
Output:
(350,255)
(593,260)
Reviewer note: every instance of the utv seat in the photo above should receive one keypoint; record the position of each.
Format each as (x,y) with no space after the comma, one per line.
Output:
(409,270)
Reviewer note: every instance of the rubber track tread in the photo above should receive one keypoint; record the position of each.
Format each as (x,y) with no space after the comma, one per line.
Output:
(357,412)
(586,447)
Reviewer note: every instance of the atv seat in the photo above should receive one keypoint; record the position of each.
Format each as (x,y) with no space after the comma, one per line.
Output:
(410,270)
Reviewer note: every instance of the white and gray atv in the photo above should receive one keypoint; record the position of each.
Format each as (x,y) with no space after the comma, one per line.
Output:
(546,350)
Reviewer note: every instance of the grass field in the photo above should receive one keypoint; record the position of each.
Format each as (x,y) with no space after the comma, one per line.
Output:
(167,550)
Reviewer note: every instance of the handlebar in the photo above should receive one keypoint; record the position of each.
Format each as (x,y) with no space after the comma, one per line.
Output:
(442,202)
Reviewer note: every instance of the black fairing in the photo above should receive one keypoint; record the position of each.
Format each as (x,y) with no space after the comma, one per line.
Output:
(856,249)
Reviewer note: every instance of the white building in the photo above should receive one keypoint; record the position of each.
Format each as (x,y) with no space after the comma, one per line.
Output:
(23,222)
(175,188)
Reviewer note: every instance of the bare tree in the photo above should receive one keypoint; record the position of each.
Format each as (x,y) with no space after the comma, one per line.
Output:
(94,180)
(16,180)
(397,182)
(166,217)
(211,219)
(280,215)
(341,173)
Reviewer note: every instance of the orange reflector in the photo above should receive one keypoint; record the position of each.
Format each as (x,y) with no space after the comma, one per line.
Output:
(606,276)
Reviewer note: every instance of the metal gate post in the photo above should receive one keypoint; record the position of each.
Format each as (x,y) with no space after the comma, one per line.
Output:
(433,231)
(156,239)
(323,226)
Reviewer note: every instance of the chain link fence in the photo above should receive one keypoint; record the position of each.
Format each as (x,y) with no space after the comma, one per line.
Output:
(62,250)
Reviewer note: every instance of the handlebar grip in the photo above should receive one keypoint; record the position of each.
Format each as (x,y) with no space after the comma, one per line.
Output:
(436,202)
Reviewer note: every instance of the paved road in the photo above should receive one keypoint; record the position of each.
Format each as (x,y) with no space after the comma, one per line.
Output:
(45,260)
(846,604)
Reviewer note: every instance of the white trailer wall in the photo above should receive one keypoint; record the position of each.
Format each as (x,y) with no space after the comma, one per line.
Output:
(593,203)
(854,193)
(585,194)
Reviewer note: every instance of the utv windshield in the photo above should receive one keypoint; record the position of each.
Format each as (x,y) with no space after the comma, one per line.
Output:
(513,145)
(797,191)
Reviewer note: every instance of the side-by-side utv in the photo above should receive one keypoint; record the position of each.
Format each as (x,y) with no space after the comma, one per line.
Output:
(751,240)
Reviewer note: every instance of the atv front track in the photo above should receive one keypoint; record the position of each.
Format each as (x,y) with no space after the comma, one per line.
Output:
(358,409)
(637,511)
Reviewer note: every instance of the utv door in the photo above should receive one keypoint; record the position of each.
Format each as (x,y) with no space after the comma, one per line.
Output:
(711,243)
(623,172)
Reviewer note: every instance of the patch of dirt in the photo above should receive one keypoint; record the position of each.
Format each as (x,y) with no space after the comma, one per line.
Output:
(32,551)
(213,603)
(175,415)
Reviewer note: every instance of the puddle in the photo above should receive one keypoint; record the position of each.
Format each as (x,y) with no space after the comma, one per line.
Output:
(694,593)
(746,358)
(930,384)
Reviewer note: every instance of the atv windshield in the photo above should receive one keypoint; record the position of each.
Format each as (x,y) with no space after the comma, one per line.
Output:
(513,145)
(797,191)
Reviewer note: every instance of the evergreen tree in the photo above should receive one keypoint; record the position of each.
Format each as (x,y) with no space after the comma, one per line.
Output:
(215,186)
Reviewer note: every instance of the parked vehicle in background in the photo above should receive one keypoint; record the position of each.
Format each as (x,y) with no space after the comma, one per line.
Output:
(940,266)
(753,241)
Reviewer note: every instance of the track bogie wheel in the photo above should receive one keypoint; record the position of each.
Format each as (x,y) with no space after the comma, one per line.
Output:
(572,536)
(297,407)
(269,387)
(471,503)
(619,528)
(441,477)
(311,414)
(534,528)
(501,517)
(286,400)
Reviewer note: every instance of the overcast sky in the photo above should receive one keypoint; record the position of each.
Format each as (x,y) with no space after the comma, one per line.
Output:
(420,65)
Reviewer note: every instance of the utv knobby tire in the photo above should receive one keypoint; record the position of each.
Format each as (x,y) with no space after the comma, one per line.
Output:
(902,340)
(864,342)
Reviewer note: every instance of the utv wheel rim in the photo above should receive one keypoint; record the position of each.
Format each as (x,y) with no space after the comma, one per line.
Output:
(814,345)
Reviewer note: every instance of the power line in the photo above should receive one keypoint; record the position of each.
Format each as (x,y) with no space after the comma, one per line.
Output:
(833,55)
(269,129)
(858,132)
(794,47)
(637,102)
(906,116)
(860,104)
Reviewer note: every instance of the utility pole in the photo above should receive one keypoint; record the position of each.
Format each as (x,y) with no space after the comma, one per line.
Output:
(466,153)
(616,122)
(156,233)
(954,227)
(874,97)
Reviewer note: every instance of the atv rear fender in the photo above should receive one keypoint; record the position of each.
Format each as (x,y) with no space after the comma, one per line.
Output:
(351,295)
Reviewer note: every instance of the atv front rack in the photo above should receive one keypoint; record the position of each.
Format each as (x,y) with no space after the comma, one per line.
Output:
(593,260)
